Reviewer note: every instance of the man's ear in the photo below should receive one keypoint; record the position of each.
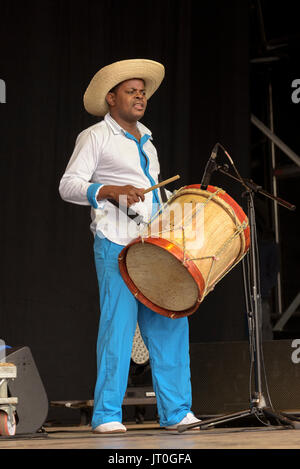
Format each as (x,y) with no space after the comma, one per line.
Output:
(110,99)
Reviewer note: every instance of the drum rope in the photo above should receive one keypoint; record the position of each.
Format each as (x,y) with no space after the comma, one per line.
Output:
(222,249)
(242,227)
(215,257)
(225,272)
(212,196)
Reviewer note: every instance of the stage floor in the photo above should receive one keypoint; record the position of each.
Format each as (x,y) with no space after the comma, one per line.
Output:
(151,436)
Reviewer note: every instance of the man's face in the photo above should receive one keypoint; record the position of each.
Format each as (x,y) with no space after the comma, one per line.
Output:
(128,100)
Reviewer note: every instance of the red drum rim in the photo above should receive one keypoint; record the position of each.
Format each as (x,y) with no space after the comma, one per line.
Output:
(176,252)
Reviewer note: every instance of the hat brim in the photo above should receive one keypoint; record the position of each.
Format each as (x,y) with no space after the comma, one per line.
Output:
(105,79)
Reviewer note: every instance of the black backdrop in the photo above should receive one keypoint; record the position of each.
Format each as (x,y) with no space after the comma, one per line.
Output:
(50,49)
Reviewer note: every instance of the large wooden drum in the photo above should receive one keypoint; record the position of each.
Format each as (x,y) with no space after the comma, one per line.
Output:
(189,246)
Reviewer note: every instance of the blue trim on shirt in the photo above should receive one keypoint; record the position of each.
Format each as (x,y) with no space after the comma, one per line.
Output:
(91,194)
(144,160)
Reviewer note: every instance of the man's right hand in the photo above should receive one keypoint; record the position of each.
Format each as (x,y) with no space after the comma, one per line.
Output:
(130,193)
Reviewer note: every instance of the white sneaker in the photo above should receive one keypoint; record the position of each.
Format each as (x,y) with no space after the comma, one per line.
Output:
(189,418)
(110,427)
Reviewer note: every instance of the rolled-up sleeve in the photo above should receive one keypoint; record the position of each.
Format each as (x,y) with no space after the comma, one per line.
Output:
(77,185)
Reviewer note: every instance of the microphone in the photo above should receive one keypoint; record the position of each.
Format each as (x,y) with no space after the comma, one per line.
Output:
(210,166)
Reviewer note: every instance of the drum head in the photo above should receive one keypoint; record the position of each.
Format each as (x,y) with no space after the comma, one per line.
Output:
(161,277)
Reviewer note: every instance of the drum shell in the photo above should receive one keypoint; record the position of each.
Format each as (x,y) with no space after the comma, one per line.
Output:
(214,241)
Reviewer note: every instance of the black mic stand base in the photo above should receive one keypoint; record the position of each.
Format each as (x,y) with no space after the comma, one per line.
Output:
(256,411)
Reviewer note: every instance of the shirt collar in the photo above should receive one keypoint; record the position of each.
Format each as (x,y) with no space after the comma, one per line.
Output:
(117,129)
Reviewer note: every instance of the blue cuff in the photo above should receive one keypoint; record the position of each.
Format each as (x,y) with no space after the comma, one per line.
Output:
(91,194)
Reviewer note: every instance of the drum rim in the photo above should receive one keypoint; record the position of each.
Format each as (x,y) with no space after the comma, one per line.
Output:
(176,252)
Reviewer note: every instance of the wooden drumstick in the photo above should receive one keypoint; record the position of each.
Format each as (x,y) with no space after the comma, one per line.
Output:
(162,183)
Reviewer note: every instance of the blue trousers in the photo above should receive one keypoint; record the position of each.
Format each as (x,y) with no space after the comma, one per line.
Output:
(167,341)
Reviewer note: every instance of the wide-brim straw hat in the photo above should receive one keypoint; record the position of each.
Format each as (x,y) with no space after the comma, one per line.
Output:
(105,79)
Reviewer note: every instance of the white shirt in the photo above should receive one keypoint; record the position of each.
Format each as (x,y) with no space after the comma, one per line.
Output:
(105,154)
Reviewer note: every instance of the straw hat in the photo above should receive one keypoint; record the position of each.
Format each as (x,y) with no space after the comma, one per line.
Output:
(105,79)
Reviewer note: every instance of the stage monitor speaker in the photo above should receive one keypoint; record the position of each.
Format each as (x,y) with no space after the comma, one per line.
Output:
(33,405)
(220,376)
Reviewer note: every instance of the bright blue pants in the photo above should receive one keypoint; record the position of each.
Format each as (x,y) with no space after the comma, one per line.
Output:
(167,341)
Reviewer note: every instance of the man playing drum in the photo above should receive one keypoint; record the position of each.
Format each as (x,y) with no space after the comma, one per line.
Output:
(116,160)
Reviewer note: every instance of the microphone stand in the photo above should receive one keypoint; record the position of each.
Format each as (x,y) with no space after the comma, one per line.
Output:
(258,406)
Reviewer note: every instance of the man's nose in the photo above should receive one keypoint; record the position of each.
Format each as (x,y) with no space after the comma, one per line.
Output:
(139,94)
